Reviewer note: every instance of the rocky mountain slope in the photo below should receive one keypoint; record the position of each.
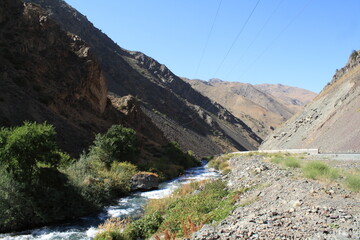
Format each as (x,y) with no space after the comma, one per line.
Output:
(182,114)
(262,107)
(50,75)
(330,122)
(293,98)
(281,204)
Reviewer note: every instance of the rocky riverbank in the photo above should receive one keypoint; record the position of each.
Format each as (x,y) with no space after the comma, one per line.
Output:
(282,204)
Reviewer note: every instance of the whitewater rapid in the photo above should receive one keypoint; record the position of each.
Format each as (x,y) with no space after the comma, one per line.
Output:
(132,206)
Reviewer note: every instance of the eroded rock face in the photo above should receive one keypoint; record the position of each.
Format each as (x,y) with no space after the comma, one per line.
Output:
(144,182)
(50,75)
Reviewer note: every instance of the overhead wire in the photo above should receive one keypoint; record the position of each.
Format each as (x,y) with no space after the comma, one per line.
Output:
(207,39)
(203,53)
(276,38)
(237,37)
(256,37)
(227,53)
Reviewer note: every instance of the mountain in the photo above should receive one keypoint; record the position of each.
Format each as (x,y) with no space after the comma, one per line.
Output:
(262,107)
(293,98)
(51,75)
(330,122)
(181,113)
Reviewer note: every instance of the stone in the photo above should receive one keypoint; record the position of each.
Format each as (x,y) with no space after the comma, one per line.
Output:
(144,181)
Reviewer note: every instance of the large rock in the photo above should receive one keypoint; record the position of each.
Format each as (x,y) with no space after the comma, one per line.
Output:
(144,181)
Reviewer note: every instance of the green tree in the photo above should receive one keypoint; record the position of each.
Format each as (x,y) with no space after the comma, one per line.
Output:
(117,144)
(23,149)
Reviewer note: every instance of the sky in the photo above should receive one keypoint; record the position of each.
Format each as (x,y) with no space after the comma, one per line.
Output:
(292,42)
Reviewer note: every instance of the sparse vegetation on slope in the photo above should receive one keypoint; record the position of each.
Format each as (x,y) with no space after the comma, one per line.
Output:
(316,170)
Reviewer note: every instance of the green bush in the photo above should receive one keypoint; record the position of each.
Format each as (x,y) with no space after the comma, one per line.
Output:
(353,182)
(172,163)
(292,162)
(317,170)
(194,204)
(144,227)
(23,149)
(98,184)
(117,144)
(222,163)
(110,235)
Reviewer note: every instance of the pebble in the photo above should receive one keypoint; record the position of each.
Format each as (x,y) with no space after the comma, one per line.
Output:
(285,206)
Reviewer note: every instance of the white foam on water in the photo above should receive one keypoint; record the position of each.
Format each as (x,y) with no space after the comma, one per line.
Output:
(91,232)
(127,206)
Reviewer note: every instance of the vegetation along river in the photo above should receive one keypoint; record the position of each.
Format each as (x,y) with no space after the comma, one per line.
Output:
(131,206)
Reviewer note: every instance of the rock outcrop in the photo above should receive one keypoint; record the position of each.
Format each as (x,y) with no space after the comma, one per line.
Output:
(51,75)
(183,114)
(144,181)
(330,122)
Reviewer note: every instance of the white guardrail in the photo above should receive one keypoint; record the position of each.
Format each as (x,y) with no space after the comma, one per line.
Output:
(313,151)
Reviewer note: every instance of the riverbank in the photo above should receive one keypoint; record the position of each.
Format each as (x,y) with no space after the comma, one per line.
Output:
(283,204)
(131,206)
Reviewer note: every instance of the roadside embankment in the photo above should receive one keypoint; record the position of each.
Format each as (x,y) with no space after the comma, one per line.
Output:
(287,202)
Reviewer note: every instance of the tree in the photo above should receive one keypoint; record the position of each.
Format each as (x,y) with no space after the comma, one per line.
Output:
(117,144)
(23,149)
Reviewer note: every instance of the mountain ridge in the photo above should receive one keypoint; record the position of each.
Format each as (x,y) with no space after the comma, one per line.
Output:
(184,115)
(253,103)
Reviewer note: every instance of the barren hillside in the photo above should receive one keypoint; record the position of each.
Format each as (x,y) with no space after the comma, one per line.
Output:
(330,122)
(262,107)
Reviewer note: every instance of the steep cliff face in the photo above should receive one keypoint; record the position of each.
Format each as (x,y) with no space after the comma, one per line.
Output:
(262,107)
(330,122)
(183,114)
(50,75)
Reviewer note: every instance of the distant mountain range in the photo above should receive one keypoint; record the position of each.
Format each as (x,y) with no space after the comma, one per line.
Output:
(262,107)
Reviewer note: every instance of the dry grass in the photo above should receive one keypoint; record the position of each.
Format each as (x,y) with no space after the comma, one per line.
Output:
(114,224)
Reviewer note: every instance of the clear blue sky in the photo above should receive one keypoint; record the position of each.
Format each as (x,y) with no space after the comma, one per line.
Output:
(301,44)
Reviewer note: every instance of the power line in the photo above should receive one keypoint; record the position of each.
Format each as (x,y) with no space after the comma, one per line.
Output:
(256,37)
(232,45)
(208,38)
(237,37)
(276,38)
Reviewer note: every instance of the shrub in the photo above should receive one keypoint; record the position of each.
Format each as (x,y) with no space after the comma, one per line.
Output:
(292,162)
(194,206)
(317,170)
(144,227)
(353,182)
(24,148)
(222,163)
(117,144)
(98,184)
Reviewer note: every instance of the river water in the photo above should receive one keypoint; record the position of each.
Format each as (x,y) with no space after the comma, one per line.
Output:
(131,206)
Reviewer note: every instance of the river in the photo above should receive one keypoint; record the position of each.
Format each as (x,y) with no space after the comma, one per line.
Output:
(131,206)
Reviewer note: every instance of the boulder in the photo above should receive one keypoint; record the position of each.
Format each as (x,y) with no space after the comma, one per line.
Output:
(144,181)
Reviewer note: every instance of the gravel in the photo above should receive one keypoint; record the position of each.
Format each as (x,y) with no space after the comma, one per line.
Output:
(283,205)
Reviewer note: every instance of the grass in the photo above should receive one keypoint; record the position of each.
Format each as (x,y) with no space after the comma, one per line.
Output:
(221,163)
(179,215)
(353,182)
(317,170)
(285,160)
